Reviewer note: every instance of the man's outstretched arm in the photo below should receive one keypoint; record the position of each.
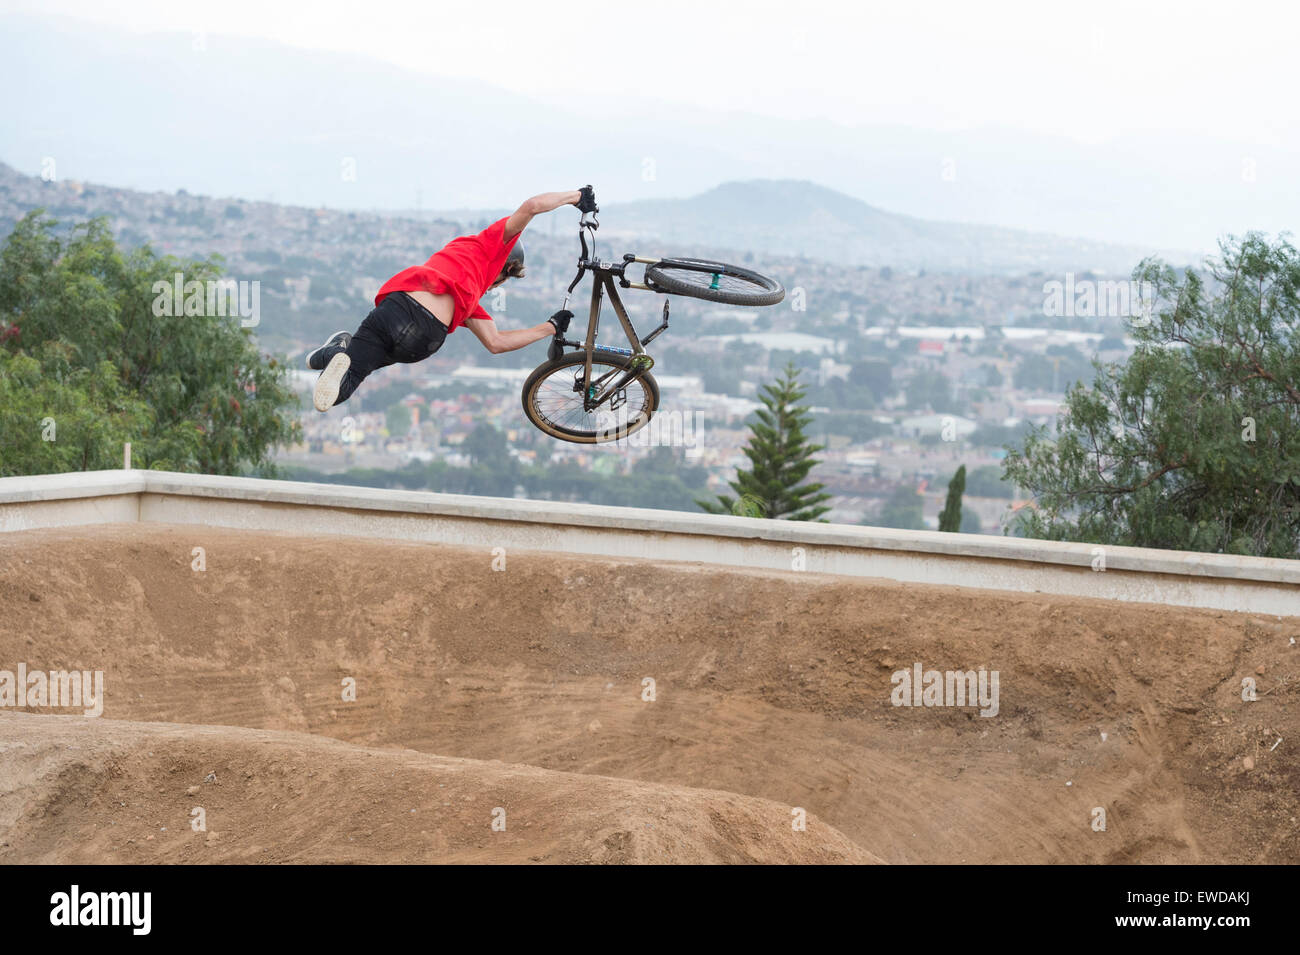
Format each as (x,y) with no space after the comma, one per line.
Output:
(498,340)
(546,202)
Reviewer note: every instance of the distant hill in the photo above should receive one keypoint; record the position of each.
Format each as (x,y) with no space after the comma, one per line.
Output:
(790,217)
(319,268)
(771,219)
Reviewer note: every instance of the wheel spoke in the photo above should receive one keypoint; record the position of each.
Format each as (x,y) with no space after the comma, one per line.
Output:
(556,402)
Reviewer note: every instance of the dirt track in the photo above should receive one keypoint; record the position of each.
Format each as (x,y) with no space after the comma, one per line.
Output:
(522,689)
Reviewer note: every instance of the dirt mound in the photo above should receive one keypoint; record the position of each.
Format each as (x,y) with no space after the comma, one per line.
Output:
(94,791)
(771,685)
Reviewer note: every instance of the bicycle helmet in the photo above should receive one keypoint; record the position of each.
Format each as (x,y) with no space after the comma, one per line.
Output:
(515,260)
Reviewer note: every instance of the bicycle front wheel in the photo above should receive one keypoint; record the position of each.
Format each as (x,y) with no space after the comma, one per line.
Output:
(713,282)
(553,399)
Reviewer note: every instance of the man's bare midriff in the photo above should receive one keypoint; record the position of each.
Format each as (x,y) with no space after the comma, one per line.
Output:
(440,305)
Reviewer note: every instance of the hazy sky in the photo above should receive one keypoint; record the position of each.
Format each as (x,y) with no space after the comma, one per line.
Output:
(1089,71)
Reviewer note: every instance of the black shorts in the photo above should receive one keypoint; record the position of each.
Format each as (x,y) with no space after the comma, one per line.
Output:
(398,329)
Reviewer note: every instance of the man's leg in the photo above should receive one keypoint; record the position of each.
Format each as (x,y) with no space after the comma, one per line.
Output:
(347,360)
(396,330)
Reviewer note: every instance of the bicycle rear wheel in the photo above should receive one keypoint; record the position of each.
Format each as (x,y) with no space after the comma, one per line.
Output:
(553,400)
(714,282)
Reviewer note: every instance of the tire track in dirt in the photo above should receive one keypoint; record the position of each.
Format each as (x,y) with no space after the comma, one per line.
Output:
(771,685)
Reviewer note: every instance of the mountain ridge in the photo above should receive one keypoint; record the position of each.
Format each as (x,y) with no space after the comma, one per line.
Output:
(802,217)
(789,217)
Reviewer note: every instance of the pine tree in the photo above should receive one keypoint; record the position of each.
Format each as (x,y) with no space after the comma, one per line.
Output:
(781,457)
(950,519)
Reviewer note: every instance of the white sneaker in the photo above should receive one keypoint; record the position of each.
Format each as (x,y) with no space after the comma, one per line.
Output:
(327,385)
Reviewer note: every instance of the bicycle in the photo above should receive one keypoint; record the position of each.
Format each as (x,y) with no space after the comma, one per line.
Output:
(599,393)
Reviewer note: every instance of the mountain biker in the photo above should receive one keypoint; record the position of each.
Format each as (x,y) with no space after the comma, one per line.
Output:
(420,306)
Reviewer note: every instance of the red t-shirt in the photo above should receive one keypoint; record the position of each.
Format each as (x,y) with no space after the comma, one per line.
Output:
(464,268)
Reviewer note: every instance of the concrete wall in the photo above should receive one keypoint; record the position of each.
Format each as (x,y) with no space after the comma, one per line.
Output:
(1252,584)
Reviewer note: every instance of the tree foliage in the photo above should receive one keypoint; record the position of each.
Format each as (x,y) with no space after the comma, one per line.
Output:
(661,479)
(902,510)
(950,516)
(929,388)
(874,374)
(781,457)
(1193,443)
(488,446)
(57,417)
(986,481)
(77,316)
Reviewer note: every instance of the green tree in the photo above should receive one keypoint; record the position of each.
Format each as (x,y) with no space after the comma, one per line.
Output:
(213,403)
(1001,436)
(1194,441)
(987,481)
(901,510)
(486,445)
(668,462)
(950,517)
(55,417)
(398,420)
(1054,371)
(781,457)
(929,389)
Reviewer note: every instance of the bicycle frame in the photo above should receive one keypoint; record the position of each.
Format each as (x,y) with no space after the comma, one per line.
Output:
(603,274)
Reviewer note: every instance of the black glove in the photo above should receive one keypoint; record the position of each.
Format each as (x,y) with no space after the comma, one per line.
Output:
(561,321)
(588,201)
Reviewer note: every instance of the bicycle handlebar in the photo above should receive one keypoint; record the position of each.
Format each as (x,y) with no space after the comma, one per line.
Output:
(587,222)
(587,206)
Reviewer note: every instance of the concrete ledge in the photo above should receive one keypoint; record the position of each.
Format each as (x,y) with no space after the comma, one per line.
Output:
(58,487)
(1219,581)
